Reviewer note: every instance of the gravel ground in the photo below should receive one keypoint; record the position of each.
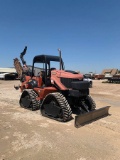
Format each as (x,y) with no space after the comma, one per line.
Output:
(26,135)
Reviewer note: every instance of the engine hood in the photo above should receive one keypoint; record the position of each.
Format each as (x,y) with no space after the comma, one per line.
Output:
(66,74)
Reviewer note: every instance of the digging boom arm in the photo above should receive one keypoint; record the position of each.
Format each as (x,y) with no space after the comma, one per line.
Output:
(17,64)
(22,55)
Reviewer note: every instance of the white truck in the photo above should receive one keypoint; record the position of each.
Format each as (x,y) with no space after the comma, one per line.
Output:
(8,76)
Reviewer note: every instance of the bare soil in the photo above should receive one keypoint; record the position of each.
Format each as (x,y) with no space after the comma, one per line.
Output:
(26,135)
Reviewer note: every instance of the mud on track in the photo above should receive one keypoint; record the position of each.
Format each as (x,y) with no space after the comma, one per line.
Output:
(26,135)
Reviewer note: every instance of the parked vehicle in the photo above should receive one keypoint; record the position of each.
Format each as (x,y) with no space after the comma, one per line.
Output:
(8,76)
(57,92)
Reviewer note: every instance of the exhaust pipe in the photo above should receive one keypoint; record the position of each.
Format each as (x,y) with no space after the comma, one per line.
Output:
(60,57)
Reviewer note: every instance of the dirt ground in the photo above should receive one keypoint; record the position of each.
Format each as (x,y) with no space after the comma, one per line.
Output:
(26,135)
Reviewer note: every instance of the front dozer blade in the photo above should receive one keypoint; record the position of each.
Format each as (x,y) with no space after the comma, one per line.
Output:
(83,119)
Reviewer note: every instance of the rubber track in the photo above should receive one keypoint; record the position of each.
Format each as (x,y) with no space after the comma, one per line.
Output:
(67,112)
(33,95)
(92,102)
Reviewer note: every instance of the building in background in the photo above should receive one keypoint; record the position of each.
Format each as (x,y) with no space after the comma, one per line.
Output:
(109,72)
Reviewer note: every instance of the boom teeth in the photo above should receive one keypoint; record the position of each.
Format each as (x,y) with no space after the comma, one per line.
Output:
(18,67)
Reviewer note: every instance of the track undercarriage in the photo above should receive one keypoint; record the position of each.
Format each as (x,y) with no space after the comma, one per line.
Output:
(28,100)
(56,106)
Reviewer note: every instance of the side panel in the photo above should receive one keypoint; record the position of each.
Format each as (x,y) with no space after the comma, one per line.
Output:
(42,92)
(24,84)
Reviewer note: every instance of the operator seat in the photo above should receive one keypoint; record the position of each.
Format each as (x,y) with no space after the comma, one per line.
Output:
(43,76)
(52,68)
